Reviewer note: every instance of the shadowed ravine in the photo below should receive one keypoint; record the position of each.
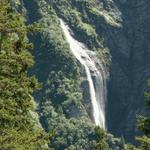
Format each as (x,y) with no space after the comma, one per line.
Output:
(93,67)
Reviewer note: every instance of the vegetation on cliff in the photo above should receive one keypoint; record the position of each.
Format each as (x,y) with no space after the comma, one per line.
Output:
(61,104)
(60,101)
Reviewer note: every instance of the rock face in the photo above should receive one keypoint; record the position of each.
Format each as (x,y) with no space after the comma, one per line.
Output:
(130,68)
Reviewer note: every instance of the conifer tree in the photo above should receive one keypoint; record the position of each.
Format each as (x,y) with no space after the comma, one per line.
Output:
(144,124)
(18,126)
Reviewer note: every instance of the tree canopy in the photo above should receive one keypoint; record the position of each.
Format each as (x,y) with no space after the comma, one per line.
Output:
(19,127)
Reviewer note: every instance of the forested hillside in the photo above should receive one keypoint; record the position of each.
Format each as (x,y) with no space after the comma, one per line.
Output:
(47,91)
(19,125)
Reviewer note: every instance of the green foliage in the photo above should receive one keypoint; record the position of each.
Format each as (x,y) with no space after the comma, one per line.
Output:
(131,147)
(144,125)
(60,100)
(61,104)
(145,142)
(70,133)
(18,124)
(101,135)
(21,140)
(86,24)
(74,17)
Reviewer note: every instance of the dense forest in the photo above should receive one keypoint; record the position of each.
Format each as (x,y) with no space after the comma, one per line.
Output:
(94,98)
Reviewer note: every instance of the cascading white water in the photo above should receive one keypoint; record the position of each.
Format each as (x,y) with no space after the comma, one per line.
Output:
(97,92)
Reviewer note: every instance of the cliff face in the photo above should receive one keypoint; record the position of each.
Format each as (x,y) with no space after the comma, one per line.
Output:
(117,30)
(130,68)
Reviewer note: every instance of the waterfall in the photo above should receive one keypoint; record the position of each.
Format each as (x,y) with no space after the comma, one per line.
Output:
(93,67)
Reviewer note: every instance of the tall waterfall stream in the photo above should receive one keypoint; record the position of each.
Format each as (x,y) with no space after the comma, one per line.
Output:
(93,67)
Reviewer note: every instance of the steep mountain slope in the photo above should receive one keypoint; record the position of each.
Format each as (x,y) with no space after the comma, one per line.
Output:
(122,27)
(118,31)
(60,100)
(64,103)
